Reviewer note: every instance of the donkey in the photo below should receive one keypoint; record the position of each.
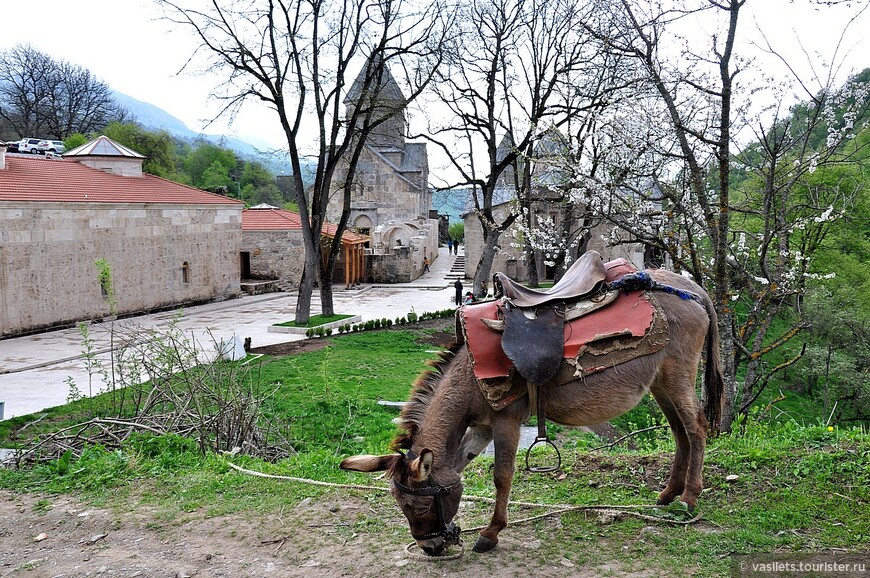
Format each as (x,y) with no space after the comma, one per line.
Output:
(448,422)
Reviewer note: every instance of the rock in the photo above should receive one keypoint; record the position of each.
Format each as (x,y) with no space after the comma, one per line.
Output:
(732,478)
(40,537)
(567,563)
(95,538)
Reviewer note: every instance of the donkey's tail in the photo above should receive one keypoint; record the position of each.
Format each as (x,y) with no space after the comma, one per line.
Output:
(714,383)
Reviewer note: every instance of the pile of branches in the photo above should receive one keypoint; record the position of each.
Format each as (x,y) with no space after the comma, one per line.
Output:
(164,382)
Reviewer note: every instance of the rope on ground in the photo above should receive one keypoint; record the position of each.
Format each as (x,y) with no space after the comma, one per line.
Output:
(409,550)
(615,509)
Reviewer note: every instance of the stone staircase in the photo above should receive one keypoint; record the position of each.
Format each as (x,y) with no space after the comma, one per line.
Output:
(457,271)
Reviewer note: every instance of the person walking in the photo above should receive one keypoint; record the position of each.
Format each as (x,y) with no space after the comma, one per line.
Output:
(449,246)
(458,286)
(426,264)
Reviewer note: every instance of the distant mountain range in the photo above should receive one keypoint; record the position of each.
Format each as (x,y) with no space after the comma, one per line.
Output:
(155,118)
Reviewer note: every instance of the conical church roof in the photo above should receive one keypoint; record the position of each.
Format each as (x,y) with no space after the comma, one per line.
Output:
(385,91)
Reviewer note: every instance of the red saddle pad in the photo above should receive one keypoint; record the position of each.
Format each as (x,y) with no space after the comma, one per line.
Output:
(630,314)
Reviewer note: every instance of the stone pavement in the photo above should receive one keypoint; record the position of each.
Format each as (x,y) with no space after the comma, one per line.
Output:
(34,369)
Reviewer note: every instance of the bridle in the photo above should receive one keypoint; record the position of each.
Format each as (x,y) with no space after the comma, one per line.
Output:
(449,532)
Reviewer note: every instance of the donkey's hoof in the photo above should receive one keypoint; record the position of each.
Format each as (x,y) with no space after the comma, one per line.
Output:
(484,544)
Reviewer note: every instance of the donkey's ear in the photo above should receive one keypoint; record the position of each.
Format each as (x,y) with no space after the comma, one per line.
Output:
(369,463)
(422,466)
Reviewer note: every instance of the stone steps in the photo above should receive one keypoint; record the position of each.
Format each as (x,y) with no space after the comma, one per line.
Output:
(457,271)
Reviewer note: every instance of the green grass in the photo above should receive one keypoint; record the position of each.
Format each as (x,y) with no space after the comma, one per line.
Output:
(801,486)
(314,320)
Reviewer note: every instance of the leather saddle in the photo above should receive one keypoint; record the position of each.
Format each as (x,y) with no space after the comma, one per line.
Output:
(534,321)
(585,277)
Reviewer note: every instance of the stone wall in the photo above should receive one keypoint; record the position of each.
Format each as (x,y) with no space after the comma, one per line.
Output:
(408,243)
(275,255)
(381,192)
(159,255)
(395,267)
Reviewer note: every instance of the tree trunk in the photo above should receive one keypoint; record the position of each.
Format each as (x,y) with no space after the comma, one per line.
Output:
(303,299)
(326,305)
(531,265)
(726,352)
(484,266)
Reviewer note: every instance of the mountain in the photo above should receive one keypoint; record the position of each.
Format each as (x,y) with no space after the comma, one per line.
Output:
(155,118)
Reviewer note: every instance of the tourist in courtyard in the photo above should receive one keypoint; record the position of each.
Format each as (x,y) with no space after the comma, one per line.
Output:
(458,286)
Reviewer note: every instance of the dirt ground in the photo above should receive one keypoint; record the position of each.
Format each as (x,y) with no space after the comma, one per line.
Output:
(58,536)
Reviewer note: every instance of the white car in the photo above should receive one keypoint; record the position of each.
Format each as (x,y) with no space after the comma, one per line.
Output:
(30,145)
(51,146)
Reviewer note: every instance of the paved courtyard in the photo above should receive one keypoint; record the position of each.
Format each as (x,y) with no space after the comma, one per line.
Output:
(35,369)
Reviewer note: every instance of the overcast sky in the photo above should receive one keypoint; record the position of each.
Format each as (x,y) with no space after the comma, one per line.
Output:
(125,44)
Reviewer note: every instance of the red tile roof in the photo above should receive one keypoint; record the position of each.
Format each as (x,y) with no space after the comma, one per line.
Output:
(281,220)
(38,179)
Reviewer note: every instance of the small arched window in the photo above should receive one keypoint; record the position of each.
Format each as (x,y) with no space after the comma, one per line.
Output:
(185,272)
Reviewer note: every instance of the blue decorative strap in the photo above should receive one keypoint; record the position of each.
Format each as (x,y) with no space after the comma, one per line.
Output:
(641,281)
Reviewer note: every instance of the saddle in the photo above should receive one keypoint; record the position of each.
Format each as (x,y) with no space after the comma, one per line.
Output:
(585,277)
(579,321)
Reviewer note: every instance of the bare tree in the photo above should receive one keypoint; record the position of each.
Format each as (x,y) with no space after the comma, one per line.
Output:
(45,97)
(300,58)
(516,70)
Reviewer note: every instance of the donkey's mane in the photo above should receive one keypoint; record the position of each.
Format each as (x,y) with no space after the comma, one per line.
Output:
(422,393)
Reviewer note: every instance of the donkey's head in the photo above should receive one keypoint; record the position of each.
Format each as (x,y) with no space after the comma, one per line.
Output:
(429,501)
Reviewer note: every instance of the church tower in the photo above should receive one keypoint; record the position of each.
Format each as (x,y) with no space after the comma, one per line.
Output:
(375,91)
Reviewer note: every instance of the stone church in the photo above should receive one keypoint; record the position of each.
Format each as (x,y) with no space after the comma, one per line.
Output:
(391,199)
(547,208)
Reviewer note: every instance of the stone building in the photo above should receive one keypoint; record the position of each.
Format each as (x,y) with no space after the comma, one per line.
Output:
(512,260)
(391,200)
(165,244)
(546,206)
(272,248)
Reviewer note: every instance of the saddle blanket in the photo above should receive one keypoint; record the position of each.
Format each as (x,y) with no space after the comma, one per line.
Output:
(615,329)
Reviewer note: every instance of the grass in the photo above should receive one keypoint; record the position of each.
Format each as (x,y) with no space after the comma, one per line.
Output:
(801,487)
(315,320)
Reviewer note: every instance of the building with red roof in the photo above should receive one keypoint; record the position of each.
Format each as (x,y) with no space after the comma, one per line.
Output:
(165,244)
(272,248)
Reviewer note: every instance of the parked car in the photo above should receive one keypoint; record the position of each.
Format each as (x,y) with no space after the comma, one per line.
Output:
(12,146)
(30,145)
(51,146)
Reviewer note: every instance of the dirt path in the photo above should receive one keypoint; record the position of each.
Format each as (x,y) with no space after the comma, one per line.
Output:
(56,536)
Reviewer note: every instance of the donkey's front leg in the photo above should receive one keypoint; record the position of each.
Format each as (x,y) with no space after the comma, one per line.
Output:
(506,441)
